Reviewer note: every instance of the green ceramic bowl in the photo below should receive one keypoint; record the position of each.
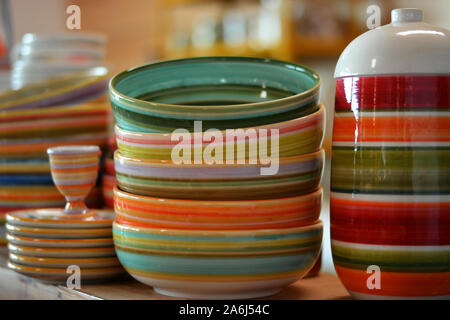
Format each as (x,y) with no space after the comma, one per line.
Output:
(223,92)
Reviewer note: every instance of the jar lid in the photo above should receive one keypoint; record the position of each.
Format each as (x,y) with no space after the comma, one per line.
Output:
(405,46)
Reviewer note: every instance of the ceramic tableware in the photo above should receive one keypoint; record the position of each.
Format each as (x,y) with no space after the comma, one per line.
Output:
(50,218)
(70,122)
(78,87)
(217,264)
(62,252)
(295,137)
(44,242)
(152,212)
(296,176)
(59,243)
(39,262)
(59,275)
(74,170)
(28,197)
(63,233)
(241,92)
(390,175)
(36,147)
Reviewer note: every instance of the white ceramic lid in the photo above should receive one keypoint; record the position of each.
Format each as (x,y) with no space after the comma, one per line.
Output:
(405,46)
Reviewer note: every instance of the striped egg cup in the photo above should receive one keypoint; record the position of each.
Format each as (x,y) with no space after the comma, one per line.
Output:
(217,264)
(74,170)
(390,183)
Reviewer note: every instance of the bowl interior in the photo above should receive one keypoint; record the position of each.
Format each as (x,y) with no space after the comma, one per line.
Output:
(215,81)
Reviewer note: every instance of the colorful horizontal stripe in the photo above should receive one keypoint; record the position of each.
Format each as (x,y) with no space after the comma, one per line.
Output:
(25,180)
(78,87)
(392,258)
(24,166)
(91,108)
(397,284)
(296,137)
(36,148)
(54,127)
(20,197)
(385,93)
(222,215)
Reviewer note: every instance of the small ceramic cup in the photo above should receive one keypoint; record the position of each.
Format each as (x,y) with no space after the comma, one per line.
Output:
(74,170)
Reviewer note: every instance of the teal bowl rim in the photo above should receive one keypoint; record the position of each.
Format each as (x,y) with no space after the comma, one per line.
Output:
(119,76)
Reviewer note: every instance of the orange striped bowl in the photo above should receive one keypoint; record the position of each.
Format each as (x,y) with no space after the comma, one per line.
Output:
(143,211)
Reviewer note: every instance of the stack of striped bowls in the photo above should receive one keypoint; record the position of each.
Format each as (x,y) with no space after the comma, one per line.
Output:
(69,110)
(202,229)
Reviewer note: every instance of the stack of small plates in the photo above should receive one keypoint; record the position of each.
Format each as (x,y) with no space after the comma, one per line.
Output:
(69,110)
(43,246)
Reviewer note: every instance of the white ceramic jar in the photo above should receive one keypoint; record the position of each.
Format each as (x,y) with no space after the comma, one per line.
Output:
(390,176)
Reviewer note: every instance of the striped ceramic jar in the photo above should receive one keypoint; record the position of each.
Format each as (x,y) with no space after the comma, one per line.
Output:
(390,200)
(390,174)
(74,171)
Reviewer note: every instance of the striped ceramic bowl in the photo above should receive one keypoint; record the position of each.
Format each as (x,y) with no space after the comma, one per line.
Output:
(223,92)
(39,196)
(55,121)
(69,89)
(217,264)
(152,212)
(296,176)
(295,137)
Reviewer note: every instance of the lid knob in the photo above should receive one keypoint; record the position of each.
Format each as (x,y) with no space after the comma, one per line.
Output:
(406,15)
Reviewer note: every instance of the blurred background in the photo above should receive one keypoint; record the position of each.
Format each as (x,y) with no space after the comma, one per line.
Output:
(311,32)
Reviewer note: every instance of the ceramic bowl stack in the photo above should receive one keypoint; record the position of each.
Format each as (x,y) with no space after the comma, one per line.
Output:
(43,243)
(39,57)
(68,110)
(198,229)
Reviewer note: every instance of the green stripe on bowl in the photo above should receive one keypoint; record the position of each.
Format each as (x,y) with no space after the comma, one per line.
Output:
(215,265)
